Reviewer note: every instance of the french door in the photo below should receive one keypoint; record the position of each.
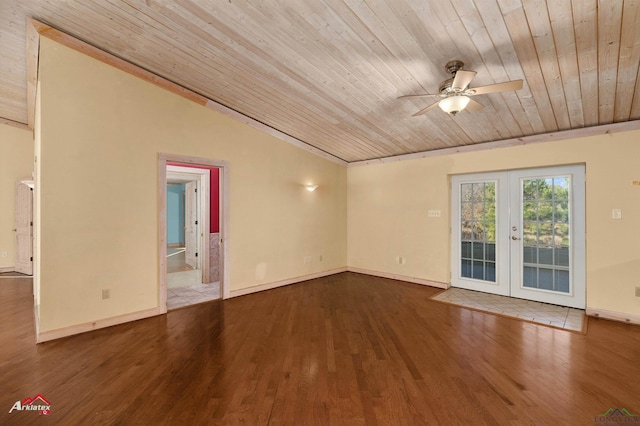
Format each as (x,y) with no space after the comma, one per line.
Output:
(521,233)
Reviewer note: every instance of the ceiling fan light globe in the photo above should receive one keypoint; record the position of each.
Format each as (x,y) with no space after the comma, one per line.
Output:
(454,104)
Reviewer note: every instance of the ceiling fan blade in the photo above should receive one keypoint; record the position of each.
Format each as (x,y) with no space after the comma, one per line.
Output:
(474,106)
(426,95)
(462,79)
(499,87)
(425,110)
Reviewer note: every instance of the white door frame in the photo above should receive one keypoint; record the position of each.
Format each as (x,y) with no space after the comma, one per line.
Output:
(163,159)
(508,239)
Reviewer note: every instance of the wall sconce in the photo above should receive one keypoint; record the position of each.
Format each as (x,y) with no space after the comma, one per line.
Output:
(310,187)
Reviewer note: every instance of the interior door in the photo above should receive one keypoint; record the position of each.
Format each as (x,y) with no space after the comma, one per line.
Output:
(521,234)
(191,224)
(24,229)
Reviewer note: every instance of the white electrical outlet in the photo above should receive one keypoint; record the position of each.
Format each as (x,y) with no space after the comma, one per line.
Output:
(307,260)
(616,214)
(5,254)
(402,260)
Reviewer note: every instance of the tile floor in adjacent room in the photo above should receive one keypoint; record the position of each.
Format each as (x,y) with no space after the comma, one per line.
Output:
(184,286)
(178,297)
(541,313)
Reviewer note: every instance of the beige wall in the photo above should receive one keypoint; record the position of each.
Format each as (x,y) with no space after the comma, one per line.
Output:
(16,162)
(388,205)
(101,132)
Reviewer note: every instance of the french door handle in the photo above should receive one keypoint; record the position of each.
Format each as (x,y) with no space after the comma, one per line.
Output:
(513,237)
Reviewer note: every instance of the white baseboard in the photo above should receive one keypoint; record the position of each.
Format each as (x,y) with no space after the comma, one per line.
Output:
(398,277)
(7,269)
(94,325)
(276,284)
(613,315)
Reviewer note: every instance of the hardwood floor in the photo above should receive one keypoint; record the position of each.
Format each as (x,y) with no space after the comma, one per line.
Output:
(346,349)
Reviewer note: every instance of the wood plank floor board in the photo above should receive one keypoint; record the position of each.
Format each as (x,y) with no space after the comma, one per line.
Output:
(347,349)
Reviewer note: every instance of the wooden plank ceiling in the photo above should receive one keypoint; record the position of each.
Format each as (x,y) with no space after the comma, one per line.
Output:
(329,72)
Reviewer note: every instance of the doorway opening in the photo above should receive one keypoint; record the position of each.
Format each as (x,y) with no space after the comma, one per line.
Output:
(521,233)
(189,278)
(192,204)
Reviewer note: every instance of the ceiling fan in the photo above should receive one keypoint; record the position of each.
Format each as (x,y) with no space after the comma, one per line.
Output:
(456,94)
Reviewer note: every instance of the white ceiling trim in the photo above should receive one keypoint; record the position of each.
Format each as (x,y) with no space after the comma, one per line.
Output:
(526,140)
(14,123)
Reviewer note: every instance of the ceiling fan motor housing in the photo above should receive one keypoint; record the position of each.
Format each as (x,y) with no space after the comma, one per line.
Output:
(445,86)
(453,66)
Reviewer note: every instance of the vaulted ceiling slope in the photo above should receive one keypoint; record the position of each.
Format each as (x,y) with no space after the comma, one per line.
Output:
(329,72)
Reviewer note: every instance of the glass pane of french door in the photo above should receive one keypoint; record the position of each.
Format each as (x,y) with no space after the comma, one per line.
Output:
(545,240)
(478,226)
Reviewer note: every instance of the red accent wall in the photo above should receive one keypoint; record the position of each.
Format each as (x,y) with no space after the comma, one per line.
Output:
(214,187)
(215,200)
